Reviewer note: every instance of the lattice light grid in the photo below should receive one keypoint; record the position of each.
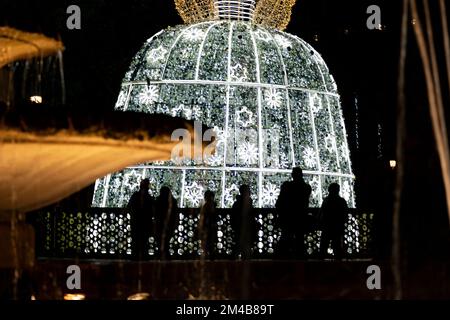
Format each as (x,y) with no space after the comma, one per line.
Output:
(270,13)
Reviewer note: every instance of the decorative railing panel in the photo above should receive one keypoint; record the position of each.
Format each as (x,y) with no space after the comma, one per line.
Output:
(106,233)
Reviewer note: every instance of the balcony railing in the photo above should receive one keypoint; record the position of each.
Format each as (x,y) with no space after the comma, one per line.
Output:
(105,233)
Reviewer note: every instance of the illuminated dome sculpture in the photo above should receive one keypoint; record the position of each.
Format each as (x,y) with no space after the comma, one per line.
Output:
(268,95)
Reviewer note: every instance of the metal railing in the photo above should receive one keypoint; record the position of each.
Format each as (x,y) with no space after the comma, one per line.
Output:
(106,233)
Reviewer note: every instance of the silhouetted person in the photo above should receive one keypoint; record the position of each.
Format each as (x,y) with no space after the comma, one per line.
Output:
(334,214)
(207,225)
(166,219)
(292,208)
(243,222)
(142,213)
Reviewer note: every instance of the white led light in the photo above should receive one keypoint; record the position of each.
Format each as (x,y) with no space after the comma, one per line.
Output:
(393,164)
(36,99)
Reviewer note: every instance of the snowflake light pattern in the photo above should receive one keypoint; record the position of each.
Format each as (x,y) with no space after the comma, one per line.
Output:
(248,153)
(270,194)
(238,73)
(194,34)
(149,96)
(273,98)
(194,194)
(156,55)
(244,117)
(309,156)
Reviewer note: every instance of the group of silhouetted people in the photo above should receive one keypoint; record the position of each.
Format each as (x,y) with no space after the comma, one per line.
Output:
(295,222)
(160,217)
(292,205)
(152,217)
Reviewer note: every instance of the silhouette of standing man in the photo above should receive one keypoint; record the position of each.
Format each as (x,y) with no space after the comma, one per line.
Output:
(292,207)
(243,222)
(166,219)
(334,214)
(207,225)
(141,208)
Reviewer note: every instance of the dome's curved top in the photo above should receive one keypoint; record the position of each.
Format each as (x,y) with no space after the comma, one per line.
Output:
(259,56)
(270,13)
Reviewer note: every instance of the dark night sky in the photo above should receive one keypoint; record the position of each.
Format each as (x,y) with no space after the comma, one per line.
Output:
(364,63)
